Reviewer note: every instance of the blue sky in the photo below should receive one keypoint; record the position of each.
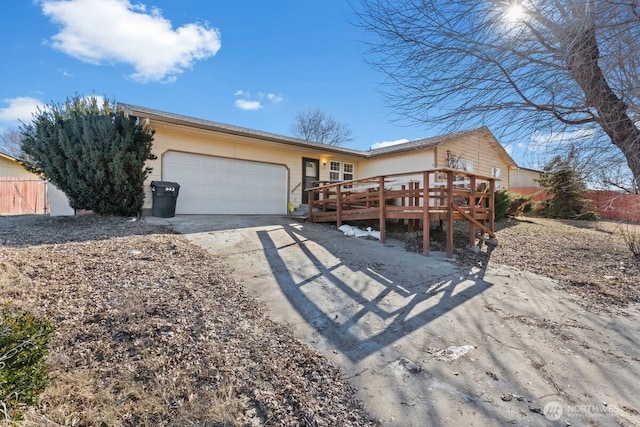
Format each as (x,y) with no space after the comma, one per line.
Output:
(250,63)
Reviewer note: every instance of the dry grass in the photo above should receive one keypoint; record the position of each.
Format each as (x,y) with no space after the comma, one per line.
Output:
(631,237)
(588,258)
(153,331)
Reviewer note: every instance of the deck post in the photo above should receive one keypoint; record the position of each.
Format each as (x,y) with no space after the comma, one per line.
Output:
(416,189)
(492,207)
(450,214)
(325,197)
(472,209)
(426,241)
(402,201)
(411,224)
(338,205)
(310,195)
(383,227)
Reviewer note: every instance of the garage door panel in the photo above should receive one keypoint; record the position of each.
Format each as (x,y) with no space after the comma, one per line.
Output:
(216,185)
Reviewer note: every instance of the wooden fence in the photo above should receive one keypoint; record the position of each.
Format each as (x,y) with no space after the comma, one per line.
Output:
(618,206)
(23,196)
(608,204)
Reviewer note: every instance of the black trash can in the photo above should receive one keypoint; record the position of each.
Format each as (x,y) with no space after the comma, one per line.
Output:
(165,194)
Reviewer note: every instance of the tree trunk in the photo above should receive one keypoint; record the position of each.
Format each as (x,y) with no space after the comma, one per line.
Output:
(583,65)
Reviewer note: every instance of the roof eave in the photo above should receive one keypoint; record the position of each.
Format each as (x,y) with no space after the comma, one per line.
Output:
(232,130)
(8,157)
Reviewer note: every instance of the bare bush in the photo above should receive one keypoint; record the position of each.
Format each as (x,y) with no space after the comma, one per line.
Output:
(631,237)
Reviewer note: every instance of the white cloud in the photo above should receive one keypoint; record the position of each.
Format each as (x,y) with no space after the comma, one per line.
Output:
(19,109)
(542,141)
(247,105)
(97,31)
(562,137)
(250,102)
(276,99)
(388,143)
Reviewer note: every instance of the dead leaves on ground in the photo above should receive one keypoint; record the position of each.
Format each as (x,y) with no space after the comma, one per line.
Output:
(154,331)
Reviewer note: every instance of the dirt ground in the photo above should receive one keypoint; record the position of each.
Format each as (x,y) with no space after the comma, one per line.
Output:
(153,330)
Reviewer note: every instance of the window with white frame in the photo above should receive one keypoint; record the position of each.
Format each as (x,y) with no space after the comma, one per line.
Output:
(456,162)
(462,164)
(347,172)
(334,171)
(341,171)
(496,173)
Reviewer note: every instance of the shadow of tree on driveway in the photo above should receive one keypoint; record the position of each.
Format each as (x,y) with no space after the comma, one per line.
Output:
(362,297)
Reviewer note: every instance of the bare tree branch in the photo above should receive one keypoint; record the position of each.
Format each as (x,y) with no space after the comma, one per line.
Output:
(562,66)
(11,143)
(318,126)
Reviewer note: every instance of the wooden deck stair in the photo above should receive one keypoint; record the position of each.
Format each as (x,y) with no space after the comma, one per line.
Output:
(419,197)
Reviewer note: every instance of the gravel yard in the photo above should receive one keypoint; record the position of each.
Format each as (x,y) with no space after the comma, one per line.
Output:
(152,330)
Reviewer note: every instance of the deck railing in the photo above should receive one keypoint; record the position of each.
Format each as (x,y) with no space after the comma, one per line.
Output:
(419,197)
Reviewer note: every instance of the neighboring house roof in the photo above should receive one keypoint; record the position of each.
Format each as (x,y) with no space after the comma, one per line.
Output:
(531,170)
(13,167)
(436,141)
(419,144)
(8,157)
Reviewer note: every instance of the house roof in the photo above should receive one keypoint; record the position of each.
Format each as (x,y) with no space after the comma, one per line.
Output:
(425,143)
(436,141)
(230,129)
(8,157)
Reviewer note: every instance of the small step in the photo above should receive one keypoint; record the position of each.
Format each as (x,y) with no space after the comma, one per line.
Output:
(300,211)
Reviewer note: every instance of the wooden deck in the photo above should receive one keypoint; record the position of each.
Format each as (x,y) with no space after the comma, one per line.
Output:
(419,197)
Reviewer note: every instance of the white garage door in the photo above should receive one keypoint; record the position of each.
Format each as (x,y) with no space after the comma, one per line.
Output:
(216,185)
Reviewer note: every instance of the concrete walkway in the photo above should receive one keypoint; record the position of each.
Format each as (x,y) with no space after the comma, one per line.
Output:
(426,342)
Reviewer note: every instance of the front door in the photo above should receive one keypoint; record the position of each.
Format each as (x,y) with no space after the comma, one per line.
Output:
(310,173)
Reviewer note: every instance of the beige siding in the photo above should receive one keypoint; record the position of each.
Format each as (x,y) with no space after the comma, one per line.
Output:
(190,140)
(409,161)
(524,178)
(11,168)
(480,149)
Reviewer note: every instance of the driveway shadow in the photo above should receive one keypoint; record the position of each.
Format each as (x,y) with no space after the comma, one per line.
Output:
(363,302)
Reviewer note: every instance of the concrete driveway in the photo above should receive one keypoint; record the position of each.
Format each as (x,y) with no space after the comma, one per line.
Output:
(429,343)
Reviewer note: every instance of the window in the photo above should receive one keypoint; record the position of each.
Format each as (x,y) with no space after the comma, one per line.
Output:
(334,171)
(347,171)
(496,173)
(456,162)
(341,171)
(459,163)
